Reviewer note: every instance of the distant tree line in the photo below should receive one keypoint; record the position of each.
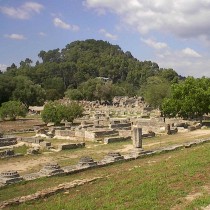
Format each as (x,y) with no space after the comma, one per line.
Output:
(75,71)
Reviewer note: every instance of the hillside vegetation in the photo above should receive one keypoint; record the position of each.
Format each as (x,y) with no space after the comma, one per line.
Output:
(76,69)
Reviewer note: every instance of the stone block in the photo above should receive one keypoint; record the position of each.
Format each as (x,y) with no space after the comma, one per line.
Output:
(7,153)
(86,162)
(51,169)
(111,157)
(109,140)
(71,146)
(8,141)
(45,144)
(137,137)
(9,177)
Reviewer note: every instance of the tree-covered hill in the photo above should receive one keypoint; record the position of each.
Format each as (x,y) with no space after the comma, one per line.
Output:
(75,69)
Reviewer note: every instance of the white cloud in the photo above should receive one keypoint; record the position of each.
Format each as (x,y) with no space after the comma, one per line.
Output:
(180,22)
(3,67)
(42,34)
(61,24)
(188,18)
(25,11)
(184,62)
(15,36)
(107,34)
(154,44)
(190,52)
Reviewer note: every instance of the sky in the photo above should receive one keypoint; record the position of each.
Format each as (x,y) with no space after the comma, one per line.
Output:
(174,34)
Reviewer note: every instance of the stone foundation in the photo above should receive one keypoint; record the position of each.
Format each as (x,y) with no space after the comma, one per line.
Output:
(71,146)
(7,153)
(109,140)
(9,177)
(8,141)
(51,169)
(35,140)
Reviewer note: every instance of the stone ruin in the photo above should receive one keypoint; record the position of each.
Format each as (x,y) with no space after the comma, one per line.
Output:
(123,101)
(33,151)
(137,141)
(66,146)
(7,153)
(51,169)
(7,141)
(111,157)
(9,177)
(113,122)
(170,130)
(86,162)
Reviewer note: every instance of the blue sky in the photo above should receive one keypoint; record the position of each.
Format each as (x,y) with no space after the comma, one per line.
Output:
(175,34)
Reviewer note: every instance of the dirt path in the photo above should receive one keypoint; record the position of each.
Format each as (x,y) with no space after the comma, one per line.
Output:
(24,165)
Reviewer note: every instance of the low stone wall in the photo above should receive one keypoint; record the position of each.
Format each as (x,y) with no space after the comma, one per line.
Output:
(45,144)
(68,133)
(8,141)
(6,153)
(71,146)
(120,126)
(34,140)
(150,134)
(149,125)
(109,140)
(100,134)
(194,127)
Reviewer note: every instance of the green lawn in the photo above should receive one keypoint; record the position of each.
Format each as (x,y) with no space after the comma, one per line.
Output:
(158,182)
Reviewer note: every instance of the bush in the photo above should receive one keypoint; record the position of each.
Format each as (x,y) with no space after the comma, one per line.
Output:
(56,112)
(74,94)
(12,109)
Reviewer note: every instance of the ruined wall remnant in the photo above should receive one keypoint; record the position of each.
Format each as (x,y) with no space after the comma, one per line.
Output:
(71,146)
(8,141)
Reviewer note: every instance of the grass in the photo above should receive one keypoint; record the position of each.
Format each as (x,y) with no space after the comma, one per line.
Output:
(21,149)
(29,134)
(98,150)
(157,182)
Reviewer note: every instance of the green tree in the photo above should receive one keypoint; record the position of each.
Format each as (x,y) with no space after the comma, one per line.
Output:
(155,90)
(53,112)
(27,92)
(54,88)
(189,99)
(7,86)
(56,112)
(74,94)
(88,89)
(12,109)
(169,74)
(72,111)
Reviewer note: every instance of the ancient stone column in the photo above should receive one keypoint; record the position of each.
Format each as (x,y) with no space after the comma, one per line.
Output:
(137,137)
(168,129)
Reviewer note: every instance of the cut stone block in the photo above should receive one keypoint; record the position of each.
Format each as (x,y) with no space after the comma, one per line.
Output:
(9,177)
(112,157)
(86,162)
(51,169)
